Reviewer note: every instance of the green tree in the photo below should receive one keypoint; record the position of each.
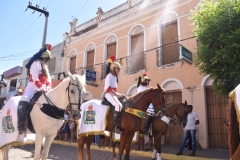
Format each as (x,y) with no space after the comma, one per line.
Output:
(217,25)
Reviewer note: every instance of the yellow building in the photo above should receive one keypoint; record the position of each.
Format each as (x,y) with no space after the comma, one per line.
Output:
(153,37)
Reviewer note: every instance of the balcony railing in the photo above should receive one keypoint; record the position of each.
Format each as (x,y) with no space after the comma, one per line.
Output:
(168,54)
(136,63)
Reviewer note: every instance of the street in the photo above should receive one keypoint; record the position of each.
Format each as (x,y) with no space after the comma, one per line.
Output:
(60,152)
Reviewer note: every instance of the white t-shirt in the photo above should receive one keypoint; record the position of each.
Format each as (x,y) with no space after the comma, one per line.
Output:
(110,81)
(191,120)
(141,88)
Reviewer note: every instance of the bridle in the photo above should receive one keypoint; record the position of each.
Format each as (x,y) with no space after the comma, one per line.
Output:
(176,122)
(69,108)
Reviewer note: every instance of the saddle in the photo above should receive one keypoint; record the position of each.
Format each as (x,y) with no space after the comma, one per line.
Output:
(46,108)
(122,100)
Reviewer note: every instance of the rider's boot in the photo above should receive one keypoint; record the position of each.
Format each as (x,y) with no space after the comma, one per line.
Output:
(116,128)
(22,116)
(147,124)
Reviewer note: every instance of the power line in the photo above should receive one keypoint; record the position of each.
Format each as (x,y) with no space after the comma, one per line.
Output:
(18,28)
(12,24)
(81,68)
(75,17)
(20,34)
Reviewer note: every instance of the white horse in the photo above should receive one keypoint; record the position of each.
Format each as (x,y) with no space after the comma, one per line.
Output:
(67,93)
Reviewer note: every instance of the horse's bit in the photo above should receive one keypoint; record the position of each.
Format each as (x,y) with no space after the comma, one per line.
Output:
(176,121)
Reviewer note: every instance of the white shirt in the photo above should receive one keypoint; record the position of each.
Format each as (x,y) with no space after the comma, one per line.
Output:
(110,81)
(191,120)
(150,110)
(141,88)
(36,69)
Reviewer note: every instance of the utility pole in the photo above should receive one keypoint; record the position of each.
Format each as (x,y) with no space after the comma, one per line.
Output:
(46,13)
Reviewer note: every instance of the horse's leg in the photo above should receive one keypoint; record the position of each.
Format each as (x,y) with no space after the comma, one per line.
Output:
(80,147)
(88,143)
(47,144)
(128,146)
(5,151)
(38,146)
(123,139)
(113,150)
(157,150)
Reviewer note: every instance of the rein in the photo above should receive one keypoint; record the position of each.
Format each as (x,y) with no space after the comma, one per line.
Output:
(53,105)
(176,122)
(54,108)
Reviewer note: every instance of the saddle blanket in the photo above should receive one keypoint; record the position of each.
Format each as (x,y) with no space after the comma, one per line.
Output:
(94,118)
(8,122)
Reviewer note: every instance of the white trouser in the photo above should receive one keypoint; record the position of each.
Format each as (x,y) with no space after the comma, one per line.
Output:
(30,90)
(114,101)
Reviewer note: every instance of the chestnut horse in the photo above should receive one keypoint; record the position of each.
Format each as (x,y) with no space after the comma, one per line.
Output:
(160,124)
(233,130)
(129,123)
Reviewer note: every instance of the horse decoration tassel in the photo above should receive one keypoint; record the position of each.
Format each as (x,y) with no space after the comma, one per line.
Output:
(234,128)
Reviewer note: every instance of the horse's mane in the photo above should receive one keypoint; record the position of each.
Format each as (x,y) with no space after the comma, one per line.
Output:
(137,96)
(81,81)
(173,103)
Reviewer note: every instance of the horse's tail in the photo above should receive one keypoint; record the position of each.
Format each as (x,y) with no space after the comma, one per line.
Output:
(233,130)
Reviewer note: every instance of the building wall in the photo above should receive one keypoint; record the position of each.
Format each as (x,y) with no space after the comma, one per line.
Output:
(148,17)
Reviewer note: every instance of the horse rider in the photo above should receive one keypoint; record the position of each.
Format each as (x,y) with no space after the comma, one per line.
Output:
(40,80)
(110,87)
(143,83)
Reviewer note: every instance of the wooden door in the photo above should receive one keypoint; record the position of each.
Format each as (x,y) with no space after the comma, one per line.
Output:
(170,52)
(216,115)
(174,134)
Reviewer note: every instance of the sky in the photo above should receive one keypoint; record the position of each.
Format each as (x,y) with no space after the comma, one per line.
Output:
(21,30)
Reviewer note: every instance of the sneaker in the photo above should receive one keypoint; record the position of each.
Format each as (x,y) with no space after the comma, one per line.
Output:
(192,154)
(179,153)
(20,137)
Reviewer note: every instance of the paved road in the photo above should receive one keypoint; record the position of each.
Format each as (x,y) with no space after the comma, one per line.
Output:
(59,152)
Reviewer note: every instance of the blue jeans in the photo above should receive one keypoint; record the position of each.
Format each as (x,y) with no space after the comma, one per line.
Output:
(187,134)
(97,138)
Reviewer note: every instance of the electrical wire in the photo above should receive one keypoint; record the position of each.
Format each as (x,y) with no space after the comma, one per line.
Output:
(17,29)
(75,17)
(20,34)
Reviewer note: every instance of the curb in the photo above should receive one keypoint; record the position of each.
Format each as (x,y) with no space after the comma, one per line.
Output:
(137,153)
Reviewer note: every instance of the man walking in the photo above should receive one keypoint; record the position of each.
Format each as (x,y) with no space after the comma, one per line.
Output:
(192,121)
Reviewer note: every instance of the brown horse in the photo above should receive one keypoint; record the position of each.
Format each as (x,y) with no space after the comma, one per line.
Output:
(233,130)
(129,123)
(160,125)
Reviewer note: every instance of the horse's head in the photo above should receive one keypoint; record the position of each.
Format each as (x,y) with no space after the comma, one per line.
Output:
(158,99)
(76,90)
(181,113)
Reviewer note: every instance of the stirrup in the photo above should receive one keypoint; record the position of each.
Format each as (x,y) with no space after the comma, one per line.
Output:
(117,130)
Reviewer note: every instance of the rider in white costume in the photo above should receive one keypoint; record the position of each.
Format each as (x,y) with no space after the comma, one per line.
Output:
(143,82)
(40,80)
(110,88)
